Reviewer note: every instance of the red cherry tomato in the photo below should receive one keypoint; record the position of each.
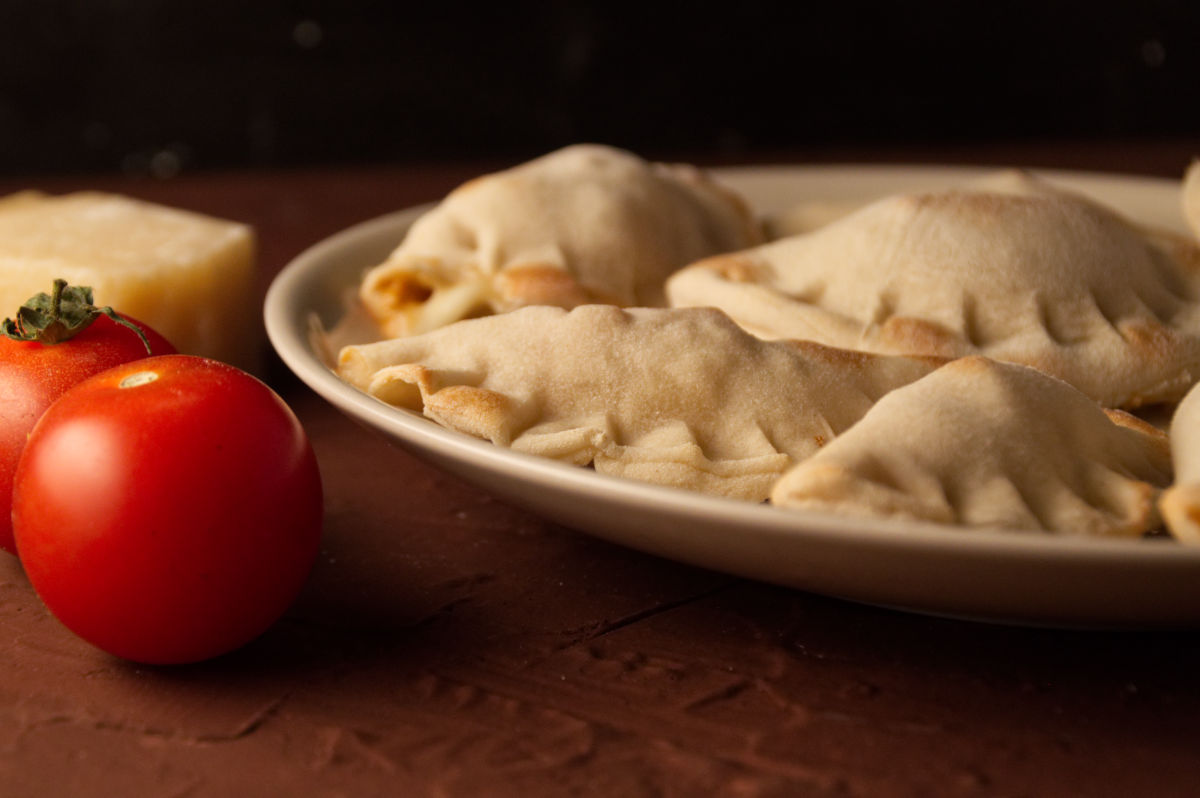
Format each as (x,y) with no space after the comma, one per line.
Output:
(33,375)
(168,510)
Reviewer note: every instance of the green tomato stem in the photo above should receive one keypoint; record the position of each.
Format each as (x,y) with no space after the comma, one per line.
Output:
(61,315)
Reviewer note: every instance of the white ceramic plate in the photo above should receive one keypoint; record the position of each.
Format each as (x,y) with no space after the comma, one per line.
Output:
(1026,578)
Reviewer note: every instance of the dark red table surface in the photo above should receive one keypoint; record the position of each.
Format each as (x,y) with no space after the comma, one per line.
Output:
(450,645)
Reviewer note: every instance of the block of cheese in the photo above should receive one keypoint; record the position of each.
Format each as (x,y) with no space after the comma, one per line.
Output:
(189,276)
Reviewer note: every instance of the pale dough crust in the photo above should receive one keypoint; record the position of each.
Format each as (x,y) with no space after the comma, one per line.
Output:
(584,224)
(989,444)
(675,397)
(1012,268)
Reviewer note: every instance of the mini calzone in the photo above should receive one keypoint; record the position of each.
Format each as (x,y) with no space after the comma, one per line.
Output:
(583,224)
(990,444)
(1013,269)
(675,397)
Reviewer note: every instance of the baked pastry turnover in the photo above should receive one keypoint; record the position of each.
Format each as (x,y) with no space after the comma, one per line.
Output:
(584,224)
(1012,268)
(675,397)
(984,443)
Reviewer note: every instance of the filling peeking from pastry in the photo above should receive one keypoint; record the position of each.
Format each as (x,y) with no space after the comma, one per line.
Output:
(584,224)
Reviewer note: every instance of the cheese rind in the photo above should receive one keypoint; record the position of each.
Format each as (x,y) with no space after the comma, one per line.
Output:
(189,276)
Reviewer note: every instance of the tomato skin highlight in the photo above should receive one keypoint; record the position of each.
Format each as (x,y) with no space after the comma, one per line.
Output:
(171,520)
(33,375)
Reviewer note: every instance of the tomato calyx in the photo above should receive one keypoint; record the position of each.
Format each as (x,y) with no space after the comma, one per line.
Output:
(61,315)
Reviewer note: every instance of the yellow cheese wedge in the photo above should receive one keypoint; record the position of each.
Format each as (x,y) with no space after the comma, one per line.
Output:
(189,276)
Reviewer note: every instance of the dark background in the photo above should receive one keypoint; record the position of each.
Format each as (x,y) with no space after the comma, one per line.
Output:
(162,87)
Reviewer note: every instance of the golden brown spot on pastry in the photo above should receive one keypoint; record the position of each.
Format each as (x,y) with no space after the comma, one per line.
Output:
(833,355)
(541,284)
(1151,338)
(735,268)
(906,334)
(403,289)
(1124,419)
(975,363)
(475,411)
(820,440)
